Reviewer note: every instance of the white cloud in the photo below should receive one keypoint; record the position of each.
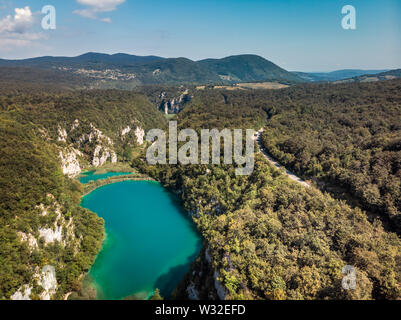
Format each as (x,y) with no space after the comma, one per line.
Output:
(15,30)
(20,23)
(95,7)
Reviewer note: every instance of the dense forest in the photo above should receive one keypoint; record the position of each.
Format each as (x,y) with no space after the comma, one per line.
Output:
(14,80)
(267,236)
(30,180)
(346,137)
(270,238)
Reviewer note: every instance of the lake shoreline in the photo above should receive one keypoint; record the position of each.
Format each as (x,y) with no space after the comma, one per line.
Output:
(89,188)
(92,186)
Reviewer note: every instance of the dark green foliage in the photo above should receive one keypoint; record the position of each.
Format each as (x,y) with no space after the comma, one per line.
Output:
(271,238)
(346,135)
(31,80)
(29,174)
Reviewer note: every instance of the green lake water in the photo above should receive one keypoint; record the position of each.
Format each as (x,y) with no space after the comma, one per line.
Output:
(92,176)
(150,240)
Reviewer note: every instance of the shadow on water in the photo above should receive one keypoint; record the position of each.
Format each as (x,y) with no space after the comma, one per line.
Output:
(168,281)
(178,203)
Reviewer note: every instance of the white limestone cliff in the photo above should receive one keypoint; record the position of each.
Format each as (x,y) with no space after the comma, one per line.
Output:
(126,131)
(140,134)
(30,239)
(69,162)
(101,155)
(49,235)
(48,281)
(23,293)
(62,135)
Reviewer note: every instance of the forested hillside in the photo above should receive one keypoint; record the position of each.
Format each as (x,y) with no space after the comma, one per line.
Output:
(46,137)
(345,135)
(41,222)
(14,80)
(267,237)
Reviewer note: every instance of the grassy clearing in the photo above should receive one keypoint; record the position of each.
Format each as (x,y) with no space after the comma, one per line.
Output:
(111,167)
(89,187)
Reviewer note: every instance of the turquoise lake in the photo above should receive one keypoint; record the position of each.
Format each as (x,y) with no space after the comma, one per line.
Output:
(91,176)
(150,240)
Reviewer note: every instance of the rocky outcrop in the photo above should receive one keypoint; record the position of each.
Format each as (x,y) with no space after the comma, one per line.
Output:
(193,294)
(175,104)
(101,155)
(62,135)
(69,161)
(75,124)
(49,235)
(89,144)
(97,135)
(30,239)
(53,233)
(220,289)
(125,131)
(48,281)
(140,134)
(23,293)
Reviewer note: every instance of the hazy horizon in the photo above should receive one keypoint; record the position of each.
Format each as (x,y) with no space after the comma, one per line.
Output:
(307,71)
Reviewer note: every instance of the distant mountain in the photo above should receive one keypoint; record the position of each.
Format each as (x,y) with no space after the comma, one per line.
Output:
(335,75)
(122,70)
(98,61)
(248,68)
(22,79)
(388,75)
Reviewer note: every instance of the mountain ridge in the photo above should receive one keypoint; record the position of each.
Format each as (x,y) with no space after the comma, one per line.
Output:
(156,70)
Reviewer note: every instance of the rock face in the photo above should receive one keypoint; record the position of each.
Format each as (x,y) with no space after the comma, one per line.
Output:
(193,294)
(221,291)
(140,134)
(49,235)
(48,282)
(101,155)
(126,131)
(62,135)
(61,229)
(23,293)
(30,239)
(69,162)
(55,232)
(175,104)
(91,144)
(45,279)
(75,125)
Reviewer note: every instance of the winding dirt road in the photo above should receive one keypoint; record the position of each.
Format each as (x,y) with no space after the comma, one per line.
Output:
(290,174)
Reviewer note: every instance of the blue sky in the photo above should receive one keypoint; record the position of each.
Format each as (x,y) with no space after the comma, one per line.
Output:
(303,35)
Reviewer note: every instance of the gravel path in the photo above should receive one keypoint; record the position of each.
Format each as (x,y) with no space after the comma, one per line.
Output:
(290,174)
